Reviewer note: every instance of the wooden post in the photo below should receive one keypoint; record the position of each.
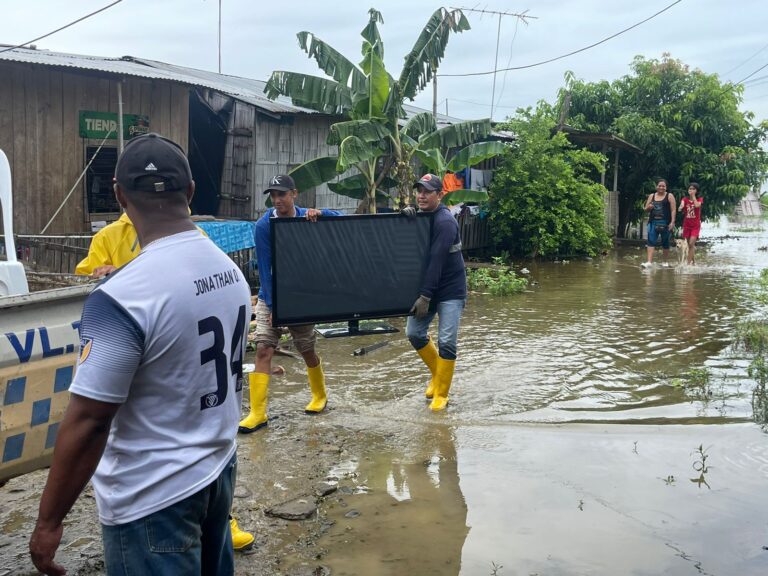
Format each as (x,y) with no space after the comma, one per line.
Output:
(120,143)
(605,164)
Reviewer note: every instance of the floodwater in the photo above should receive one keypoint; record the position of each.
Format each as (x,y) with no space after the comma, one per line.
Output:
(572,444)
(575,441)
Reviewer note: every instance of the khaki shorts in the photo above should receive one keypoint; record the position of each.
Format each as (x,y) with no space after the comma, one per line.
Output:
(303,336)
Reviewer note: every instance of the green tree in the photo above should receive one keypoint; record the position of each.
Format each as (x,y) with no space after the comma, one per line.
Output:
(688,125)
(375,154)
(544,200)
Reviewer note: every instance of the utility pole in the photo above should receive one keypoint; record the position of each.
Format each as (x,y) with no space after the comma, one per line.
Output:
(434,95)
(523,17)
(219,37)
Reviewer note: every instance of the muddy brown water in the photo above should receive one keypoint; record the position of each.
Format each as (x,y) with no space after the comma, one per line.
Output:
(570,445)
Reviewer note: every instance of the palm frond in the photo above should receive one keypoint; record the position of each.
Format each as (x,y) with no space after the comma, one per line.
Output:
(464,195)
(378,84)
(366,130)
(431,159)
(319,94)
(421,123)
(314,172)
(474,154)
(426,55)
(353,150)
(331,61)
(371,32)
(461,134)
(357,187)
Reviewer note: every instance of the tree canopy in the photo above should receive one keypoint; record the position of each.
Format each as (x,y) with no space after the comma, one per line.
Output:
(688,125)
(544,200)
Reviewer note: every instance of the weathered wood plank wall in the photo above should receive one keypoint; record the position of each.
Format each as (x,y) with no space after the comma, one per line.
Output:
(39,132)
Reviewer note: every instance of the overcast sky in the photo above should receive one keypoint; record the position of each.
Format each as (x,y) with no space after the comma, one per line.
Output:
(724,37)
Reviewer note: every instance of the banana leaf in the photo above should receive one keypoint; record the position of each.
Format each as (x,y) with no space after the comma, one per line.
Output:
(474,154)
(431,159)
(332,62)
(353,150)
(356,187)
(421,123)
(319,94)
(366,130)
(455,135)
(429,49)
(371,32)
(464,195)
(314,172)
(378,83)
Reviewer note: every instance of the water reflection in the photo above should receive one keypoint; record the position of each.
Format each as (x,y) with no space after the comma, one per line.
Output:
(394,489)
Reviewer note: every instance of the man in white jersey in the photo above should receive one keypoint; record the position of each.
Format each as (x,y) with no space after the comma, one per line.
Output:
(155,401)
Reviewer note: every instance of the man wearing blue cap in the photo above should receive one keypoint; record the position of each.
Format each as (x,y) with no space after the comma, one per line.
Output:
(443,293)
(282,192)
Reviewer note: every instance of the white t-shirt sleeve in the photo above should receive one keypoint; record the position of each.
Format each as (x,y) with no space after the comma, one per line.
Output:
(111,348)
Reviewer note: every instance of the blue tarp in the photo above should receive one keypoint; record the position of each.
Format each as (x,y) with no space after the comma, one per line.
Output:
(230,235)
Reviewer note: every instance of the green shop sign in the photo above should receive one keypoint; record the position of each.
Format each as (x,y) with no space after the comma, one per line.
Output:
(100,125)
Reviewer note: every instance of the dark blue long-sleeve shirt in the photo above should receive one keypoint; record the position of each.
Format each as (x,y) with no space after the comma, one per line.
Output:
(264,249)
(445,278)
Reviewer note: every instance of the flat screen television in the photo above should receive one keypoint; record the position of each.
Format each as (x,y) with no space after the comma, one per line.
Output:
(347,267)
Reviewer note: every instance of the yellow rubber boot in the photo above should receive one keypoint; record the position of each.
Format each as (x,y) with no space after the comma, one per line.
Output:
(258,384)
(443,377)
(240,538)
(429,356)
(317,387)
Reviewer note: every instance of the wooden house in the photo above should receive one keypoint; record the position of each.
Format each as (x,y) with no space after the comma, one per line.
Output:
(60,128)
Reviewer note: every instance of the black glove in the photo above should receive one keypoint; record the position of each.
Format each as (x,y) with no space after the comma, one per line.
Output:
(421,307)
(409,211)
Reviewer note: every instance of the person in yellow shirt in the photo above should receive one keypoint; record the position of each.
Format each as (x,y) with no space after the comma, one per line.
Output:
(111,248)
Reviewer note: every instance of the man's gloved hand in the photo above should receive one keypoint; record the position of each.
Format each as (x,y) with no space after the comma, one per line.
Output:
(421,307)
(409,211)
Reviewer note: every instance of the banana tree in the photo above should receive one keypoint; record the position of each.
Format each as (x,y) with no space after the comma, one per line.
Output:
(370,149)
(453,148)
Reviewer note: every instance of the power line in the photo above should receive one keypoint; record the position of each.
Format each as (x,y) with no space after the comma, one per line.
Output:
(745,61)
(750,75)
(62,28)
(478,103)
(524,17)
(511,46)
(569,53)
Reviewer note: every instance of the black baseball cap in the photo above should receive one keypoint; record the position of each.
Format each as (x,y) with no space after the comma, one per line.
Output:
(430,182)
(155,156)
(281,183)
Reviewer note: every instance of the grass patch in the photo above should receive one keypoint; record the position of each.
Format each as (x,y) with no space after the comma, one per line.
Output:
(752,336)
(500,281)
(697,384)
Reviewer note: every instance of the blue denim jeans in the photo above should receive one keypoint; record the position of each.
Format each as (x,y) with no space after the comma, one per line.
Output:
(654,235)
(448,320)
(189,537)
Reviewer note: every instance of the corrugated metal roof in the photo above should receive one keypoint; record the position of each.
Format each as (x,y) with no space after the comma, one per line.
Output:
(245,89)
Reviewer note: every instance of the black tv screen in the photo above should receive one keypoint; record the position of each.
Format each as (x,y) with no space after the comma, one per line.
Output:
(347,267)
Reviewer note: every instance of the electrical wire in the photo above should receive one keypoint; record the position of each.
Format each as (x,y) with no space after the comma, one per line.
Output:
(745,61)
(511,45)
(62,28)
(569,53)
(750,75)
